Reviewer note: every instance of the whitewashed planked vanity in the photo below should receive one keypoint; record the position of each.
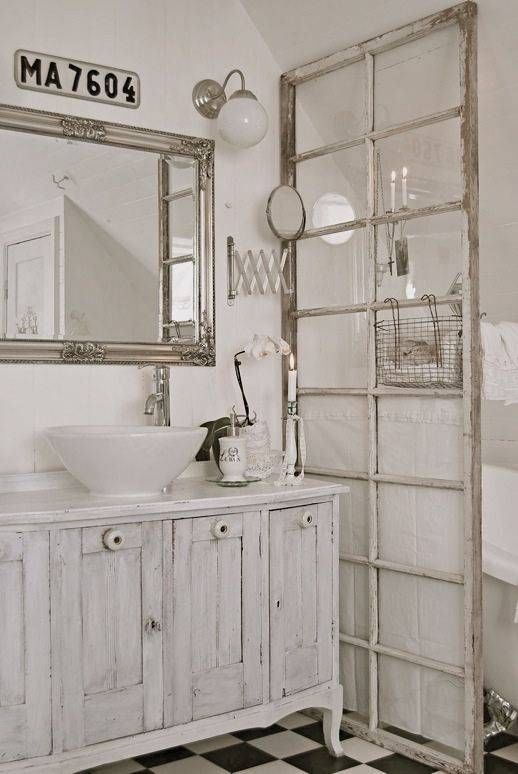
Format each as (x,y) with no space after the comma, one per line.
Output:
(132,625)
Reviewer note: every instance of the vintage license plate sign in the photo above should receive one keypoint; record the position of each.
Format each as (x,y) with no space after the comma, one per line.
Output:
(72,78)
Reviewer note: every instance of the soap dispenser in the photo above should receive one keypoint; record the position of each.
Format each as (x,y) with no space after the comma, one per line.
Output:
(233,458)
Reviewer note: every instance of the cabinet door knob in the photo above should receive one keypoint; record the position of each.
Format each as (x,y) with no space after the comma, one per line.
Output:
(306,520)
(152,625)
(113,539)
(220,529)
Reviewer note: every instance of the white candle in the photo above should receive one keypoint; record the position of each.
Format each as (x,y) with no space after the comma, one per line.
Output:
(404,195)
(393,191)
(292,380)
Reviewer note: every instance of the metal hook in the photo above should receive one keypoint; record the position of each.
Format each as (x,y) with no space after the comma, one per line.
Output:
(394,306)
(61,180)
(432,305)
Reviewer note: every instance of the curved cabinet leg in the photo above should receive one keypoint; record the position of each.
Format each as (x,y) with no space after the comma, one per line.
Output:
(331,720)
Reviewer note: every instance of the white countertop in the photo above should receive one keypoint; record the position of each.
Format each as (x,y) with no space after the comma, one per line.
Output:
(185,495)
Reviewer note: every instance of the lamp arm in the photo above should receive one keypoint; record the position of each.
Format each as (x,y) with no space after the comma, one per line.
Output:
(231,73)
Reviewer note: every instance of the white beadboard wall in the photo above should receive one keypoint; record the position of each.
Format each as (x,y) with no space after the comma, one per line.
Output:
(171,44)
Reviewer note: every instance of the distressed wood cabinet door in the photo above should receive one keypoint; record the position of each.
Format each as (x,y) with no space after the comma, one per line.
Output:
(25,728)
(106,632)
(214,630)
(301,598)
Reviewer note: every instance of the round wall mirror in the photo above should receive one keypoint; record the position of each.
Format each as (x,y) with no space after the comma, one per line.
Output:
(330,209)
(286,213)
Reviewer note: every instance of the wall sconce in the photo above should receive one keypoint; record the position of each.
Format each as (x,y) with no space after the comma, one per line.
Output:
(242,120)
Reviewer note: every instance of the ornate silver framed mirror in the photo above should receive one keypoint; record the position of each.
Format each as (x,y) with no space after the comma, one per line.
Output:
(106,242)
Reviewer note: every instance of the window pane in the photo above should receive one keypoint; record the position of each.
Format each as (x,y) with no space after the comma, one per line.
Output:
(402,72)
(182,210)
(354,676)
(181,227)
(336,432)
(182,291)
(332,274)
(330,108)
(333,351)
(422,705)
(354,511)
(426,253)
(333,187)
(421,527)
(420,437)
(354,600)
(422,616)
(431,156)
(182,170)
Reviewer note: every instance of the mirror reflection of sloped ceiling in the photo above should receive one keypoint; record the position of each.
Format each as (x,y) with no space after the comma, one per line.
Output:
(115,187)
(106,199)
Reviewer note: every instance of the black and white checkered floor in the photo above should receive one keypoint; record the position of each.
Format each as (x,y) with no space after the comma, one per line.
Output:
(293,745)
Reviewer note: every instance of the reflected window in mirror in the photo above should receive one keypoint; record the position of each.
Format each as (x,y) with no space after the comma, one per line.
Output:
(180,311)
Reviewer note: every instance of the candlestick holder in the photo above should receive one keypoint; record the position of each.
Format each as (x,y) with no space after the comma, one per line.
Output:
(295,449)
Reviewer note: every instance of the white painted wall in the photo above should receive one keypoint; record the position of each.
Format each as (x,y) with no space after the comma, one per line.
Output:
(171,44)
(109,292)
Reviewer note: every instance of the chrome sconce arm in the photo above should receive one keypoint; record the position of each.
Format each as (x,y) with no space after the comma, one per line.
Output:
(243,121)
(209,96)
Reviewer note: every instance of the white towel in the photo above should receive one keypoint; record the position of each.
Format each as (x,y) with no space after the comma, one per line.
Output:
(509,335)
(496,362)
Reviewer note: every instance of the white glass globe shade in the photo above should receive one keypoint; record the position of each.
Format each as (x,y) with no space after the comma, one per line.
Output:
(329,209)
(242,121)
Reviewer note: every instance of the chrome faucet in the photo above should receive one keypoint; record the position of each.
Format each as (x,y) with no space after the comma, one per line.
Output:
(158,403)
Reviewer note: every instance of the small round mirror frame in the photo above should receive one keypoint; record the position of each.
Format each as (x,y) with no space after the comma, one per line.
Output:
(295,234)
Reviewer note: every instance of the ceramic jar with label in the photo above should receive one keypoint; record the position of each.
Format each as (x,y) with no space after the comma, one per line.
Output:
(233,458)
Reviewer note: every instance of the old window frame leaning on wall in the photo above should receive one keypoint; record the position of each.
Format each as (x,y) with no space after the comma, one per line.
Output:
(463,15)
(198,349)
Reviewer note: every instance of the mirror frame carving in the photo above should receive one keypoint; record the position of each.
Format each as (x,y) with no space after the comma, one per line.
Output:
(198,351)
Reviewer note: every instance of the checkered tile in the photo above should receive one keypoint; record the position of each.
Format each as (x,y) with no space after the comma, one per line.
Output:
(295,744)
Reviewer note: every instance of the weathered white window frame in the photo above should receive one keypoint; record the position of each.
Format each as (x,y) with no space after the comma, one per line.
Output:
(463,15)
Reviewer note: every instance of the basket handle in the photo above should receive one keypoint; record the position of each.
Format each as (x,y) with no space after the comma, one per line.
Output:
(432,305)
(394,307)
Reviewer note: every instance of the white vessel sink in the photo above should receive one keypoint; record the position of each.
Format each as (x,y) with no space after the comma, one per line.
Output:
(120,460)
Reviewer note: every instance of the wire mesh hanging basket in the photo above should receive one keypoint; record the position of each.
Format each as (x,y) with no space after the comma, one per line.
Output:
(419,351)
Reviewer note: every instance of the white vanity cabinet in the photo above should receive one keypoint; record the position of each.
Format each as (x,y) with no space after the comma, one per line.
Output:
(215,620)
(106,632)
(301,598)
(134,626)
(25,724)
